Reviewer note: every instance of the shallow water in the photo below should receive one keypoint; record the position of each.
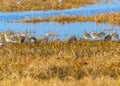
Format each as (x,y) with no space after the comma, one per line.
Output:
(112,6)
(63,30)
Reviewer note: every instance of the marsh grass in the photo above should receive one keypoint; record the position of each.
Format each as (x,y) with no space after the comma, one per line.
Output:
(88,63)
(112,18)
(27,5)
(70,81)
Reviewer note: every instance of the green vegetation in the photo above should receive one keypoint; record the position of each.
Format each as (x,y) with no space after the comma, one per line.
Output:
(27,5)
(84,63)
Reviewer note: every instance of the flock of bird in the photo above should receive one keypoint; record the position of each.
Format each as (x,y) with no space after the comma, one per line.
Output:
(10,36)
(114,35)
(24,37)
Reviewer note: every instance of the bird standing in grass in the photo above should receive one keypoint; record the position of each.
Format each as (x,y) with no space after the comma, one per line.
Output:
(72,39)
(19,2)
(22,39)
(51,36)
(108,37)
(44,39)
(8,39)
(59,1)
(86,35)
(101,34)
(115,36)
(94,35)
(1,42)
(33,39)
(28,40)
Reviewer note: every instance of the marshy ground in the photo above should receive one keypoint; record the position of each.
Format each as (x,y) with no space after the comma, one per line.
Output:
(59,63)
(84,63)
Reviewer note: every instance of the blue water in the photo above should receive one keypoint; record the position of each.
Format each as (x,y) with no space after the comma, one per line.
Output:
(84,11)
(63,30)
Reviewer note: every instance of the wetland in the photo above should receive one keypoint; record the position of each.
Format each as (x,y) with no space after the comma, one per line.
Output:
(66,57)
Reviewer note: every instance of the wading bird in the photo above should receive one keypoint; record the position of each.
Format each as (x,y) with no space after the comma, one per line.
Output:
(108,37)
(51,36)
(7,39)
(101,34)
(115,36)
(27,39)
(59,1)
(86,35)
(94,35)
(22,39)
(19,2)
(33,39)
(1,42)
(72,39)
(44,39)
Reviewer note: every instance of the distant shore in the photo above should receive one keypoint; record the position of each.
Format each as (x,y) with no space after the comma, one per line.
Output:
(112,18)
(28,5)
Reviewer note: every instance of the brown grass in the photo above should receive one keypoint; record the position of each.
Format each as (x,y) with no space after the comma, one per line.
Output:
(89,63)
(27,5)
(70,81)
(112,18)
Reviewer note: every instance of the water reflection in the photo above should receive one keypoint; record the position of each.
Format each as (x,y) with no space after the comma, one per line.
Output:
(64,31)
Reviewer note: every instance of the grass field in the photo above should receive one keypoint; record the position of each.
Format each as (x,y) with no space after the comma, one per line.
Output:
(27,5)
(83,63)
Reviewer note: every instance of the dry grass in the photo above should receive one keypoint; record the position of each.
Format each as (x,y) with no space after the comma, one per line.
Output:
(85,63)
(26,5)
(112,18)
(70,81)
